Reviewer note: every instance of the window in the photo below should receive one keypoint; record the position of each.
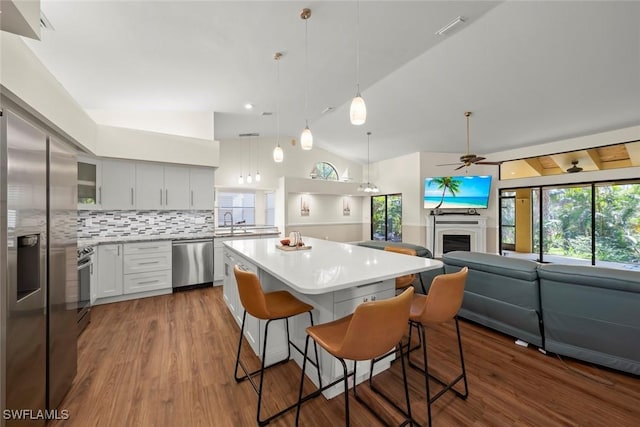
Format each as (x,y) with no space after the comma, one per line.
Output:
(270,209)
(566,224)
(386,217)
(508,220)
(236,208)
(617,224)
(594,224)
(324,170)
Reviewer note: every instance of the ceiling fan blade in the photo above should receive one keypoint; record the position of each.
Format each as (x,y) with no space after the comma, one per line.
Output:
(488,163)
(460,167)
(449,164)
(477,159)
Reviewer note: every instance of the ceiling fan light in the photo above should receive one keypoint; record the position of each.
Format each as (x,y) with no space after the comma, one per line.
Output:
(358,111)
(278,154)
(306,139)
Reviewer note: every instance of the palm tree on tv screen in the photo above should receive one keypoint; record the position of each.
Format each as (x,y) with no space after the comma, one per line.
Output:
(446,183)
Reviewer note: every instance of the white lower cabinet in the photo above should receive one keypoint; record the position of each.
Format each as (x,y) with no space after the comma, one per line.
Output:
(218,260)
(133,270)
(231,297)
(110,282)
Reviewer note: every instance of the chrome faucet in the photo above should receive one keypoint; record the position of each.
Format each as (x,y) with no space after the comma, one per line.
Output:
(224,220)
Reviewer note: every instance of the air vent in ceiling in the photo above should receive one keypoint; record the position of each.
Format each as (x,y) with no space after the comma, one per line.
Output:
(45,23)
(248,134)
(267,113)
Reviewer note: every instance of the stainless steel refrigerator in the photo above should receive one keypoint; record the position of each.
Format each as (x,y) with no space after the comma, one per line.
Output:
(38,279)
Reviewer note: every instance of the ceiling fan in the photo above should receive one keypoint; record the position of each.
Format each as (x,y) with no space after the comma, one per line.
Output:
(469,159)
(574,167)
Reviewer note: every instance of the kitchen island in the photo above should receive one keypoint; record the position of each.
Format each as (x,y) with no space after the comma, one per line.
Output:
(333,277)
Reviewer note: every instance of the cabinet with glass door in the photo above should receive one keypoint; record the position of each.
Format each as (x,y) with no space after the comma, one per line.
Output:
(89,183)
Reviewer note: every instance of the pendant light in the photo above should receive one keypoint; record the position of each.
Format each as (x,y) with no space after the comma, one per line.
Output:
(368,187)
(278,154)
(306,138)
(358,110)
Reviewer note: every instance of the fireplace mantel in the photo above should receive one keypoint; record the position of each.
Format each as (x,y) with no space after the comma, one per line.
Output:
(474,226)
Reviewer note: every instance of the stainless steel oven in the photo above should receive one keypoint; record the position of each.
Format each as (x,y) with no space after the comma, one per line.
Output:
(85,269)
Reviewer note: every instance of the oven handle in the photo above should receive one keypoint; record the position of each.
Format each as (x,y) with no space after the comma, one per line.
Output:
(84,263)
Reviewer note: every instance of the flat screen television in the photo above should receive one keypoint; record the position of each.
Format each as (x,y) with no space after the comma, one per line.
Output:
(461,192)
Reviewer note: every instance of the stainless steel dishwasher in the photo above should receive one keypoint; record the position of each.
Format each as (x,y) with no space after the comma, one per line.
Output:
(192,263)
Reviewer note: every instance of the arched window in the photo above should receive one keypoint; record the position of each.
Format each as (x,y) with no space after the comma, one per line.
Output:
(324,170)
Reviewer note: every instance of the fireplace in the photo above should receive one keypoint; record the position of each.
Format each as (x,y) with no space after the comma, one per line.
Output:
(456,242)
(446,233)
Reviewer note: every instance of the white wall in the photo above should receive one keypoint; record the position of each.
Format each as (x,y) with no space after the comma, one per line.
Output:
(402,175)
(247,155)
(21,17)
(141,145)
(24,75)
(191,124)
(30,84)
(323,209)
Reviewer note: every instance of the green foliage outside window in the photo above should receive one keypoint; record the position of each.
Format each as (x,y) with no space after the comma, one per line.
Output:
(386,217)
(567,222)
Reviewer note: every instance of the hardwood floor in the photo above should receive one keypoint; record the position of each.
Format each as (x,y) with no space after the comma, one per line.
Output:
(168,361)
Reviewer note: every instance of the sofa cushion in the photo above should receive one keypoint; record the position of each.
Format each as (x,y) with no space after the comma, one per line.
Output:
(496,264)
(381,244)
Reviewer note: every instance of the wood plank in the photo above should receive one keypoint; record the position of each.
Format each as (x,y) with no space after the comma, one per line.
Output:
(168,361)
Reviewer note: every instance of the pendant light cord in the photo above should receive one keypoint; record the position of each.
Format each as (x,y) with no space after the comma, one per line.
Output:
(368,161)
(467,114)
(306,71)
(358,48)
(277,99)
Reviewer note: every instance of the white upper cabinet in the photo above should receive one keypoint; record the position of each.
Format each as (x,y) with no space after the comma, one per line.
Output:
(161,187)
(176,187)
(118,185)
(111,184)
(202,182)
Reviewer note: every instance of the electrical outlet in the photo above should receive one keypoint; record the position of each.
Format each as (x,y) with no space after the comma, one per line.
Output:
(151,220)
(200,220)
(88,222)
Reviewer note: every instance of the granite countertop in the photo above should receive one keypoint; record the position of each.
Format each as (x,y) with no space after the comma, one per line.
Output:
(94,241)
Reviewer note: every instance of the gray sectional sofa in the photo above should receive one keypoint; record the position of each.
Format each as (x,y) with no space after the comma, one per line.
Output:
(588,313)
(592,314)
(501,293)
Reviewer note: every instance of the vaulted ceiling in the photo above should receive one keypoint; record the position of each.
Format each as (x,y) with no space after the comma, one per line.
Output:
(530,71)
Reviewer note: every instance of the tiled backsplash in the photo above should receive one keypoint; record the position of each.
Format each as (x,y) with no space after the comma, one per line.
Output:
(142,223)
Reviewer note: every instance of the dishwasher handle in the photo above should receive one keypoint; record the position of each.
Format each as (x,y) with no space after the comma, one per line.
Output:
(187,242)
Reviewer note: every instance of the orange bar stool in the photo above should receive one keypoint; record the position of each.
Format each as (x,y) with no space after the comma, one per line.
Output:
(372,331)
(270,306)
(441,305)
(404,282)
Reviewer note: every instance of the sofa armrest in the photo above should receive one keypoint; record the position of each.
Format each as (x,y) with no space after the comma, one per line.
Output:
(586,275)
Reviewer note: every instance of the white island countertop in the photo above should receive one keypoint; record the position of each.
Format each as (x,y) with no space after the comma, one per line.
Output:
(328,266)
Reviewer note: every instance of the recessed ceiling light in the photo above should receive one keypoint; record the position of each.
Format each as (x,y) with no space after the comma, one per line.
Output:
(248,106)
